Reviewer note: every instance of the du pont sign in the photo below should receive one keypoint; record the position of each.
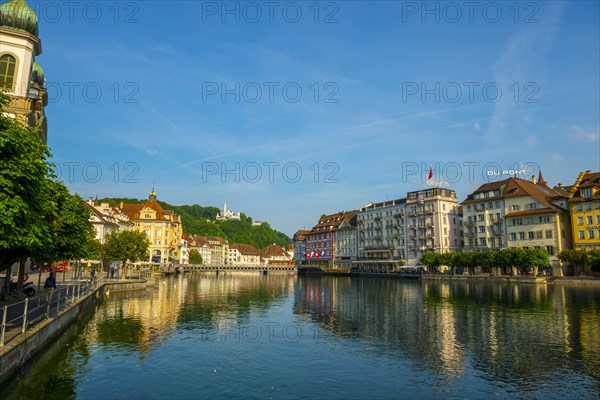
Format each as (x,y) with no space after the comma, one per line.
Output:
(512,172)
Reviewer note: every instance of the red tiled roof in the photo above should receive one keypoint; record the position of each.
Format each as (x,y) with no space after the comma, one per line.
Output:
(245,249)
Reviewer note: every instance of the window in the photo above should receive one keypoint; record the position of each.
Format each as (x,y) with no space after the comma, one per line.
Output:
(588,206)
(481,217)
(513,236)
(147,215)
(530,235)
(578,207)
(7,71)
(545,218)
(587,192)
(590,219)
(538,235)
(482,229)
(591,234)
(598,205)
(521,235)
(579,220)
(598,219)
(515,207)
(549,234)
(550,250)
(497,204)
(482,242)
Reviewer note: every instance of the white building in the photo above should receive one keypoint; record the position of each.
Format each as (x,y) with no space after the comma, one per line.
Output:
(345,250)
(226,214)
(105,219)
(381,235)
(433,223)
(243,255)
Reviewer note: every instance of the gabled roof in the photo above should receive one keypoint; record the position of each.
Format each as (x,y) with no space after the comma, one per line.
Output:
(245,249)
(301,234)
(516,187)
(273,250)
(331,222)
(585,180)
(133,211)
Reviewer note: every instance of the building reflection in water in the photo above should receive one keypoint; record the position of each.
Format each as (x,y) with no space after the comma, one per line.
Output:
(517,334)
(141,321)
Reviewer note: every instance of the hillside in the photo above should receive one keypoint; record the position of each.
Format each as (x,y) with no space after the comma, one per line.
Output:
(199,220)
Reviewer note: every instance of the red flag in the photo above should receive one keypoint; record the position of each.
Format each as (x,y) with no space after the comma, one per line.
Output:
(430,172)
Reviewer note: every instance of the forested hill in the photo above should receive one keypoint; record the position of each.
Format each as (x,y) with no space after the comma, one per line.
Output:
(199,220)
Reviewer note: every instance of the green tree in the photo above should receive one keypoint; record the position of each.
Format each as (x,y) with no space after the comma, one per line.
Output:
(23,173)
(71,233)
(195,257)
(126,246)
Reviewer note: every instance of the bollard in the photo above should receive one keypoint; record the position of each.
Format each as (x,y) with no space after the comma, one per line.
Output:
(24,328)
(58,303)
(3,326)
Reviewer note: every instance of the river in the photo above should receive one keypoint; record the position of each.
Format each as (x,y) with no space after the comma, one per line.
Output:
(280,336)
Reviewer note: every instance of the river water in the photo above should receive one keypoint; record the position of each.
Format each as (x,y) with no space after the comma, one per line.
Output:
(279,336)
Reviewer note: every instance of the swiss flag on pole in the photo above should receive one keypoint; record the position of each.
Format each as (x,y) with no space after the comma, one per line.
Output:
(430,172)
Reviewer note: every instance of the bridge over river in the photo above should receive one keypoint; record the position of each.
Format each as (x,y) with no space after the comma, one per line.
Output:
(215,268)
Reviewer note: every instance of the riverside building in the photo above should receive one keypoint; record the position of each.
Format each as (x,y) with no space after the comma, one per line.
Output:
(584,205)
(517,213)
(381,235)
(433,222)
(163,228)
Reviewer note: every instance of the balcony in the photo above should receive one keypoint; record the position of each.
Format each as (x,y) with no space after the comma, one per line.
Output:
(498,233)
(398,215)
(469,234)
(498,222)
(377,219)
(469,224)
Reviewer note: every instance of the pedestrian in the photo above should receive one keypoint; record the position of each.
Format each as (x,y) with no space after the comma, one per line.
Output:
(93,277)
(49,286)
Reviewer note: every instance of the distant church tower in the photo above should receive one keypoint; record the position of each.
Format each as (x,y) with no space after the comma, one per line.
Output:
(21,77)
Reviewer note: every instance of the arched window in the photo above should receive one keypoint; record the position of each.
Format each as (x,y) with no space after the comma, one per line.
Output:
(7,71)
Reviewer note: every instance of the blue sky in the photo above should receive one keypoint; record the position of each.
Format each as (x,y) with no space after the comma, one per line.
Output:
(369,94)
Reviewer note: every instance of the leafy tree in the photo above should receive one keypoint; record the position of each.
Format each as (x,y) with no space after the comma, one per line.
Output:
(126,245)
(23,173)
(195,257)
(486,259)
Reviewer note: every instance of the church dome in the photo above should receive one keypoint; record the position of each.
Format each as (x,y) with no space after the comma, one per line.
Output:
(37,74)
(17,14)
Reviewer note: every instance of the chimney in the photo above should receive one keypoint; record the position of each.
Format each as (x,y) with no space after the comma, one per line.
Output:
(533,179)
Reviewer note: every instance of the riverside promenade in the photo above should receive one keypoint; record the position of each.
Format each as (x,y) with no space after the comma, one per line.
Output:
(28,326)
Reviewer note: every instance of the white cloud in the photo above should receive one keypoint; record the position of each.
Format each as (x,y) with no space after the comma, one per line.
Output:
(580,134)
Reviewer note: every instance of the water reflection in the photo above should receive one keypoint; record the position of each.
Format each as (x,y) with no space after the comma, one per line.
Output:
(348,337)
(526,336)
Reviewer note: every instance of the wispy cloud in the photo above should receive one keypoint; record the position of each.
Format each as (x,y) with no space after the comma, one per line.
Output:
(580,134)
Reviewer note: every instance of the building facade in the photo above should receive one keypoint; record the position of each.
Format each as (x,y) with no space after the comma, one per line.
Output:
(433,222)
(517,213)
(243,255)
(273,254)
(584,206)
(321,240)
(381,235)
(226,215)
(106,219)
(345,249)
(21,77)
(163,228)
(300,246)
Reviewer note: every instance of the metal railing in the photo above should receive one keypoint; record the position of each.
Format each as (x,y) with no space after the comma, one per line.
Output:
(18,318)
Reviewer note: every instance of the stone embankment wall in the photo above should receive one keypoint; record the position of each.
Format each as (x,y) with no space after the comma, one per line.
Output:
(20,351)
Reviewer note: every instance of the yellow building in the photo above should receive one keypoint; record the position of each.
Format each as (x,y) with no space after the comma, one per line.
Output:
(163,228)
(21,77)
(584,205)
